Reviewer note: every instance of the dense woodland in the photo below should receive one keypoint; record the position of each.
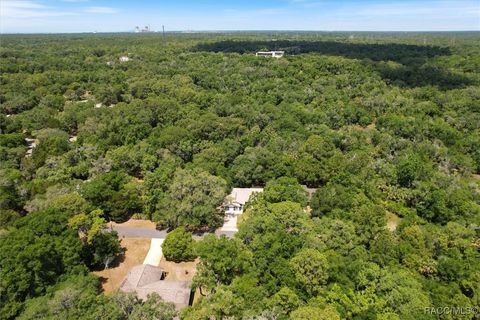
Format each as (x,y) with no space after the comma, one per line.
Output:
(386,126)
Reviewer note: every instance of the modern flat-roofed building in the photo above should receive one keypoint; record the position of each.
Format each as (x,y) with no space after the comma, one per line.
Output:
(273,54)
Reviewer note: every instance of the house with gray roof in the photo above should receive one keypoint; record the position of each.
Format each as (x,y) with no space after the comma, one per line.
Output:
(146,279)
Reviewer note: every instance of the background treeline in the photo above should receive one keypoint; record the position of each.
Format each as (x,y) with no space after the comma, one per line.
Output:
(386,126)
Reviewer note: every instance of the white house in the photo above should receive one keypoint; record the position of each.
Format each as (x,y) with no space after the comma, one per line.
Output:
(273,54)
(234,203)
(233,207)
(124,59)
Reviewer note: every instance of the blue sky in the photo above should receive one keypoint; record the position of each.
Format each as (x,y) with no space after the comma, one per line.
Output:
(362,15)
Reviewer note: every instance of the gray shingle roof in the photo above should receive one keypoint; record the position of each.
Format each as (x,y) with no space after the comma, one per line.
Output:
(145,279)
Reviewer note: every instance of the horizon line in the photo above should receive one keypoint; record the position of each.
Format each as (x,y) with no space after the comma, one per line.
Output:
(237,30)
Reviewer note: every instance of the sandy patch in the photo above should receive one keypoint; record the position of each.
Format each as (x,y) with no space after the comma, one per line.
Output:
(136,223)
(136,250)
(182,271)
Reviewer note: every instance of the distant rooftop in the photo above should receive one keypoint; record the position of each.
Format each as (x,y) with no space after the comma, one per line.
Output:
(274,54)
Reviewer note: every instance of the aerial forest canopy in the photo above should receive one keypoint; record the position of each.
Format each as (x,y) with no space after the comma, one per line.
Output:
(105,127)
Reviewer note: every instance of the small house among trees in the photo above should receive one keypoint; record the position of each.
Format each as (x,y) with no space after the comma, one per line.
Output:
(146,279)
(233,206)
(235,201)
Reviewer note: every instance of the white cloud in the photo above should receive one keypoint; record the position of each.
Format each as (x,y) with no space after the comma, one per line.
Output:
(28,9)
(105,10)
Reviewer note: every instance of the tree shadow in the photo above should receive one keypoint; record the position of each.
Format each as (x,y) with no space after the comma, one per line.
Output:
(101,283)
(118,259)
(411,67)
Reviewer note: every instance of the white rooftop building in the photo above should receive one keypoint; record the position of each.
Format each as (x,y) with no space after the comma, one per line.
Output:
(236,200)
(233,207)
(273,54)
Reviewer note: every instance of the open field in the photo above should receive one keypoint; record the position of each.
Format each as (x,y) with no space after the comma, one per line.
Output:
(136,250)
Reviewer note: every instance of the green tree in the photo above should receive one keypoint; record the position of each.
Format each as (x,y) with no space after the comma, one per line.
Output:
(315,313)
(285,189)
(192,200)
(287,300)
(104,249)
(34,256)
(153,308)
(311,270)
(123,305)
(221,259)
(51,142)
(331,196)
(409,169)
(400,285)
(74,298)
(274,233)
(179,245)
(221,304)
(115,193)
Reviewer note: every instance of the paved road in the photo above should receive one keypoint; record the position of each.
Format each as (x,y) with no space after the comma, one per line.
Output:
(130,232)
